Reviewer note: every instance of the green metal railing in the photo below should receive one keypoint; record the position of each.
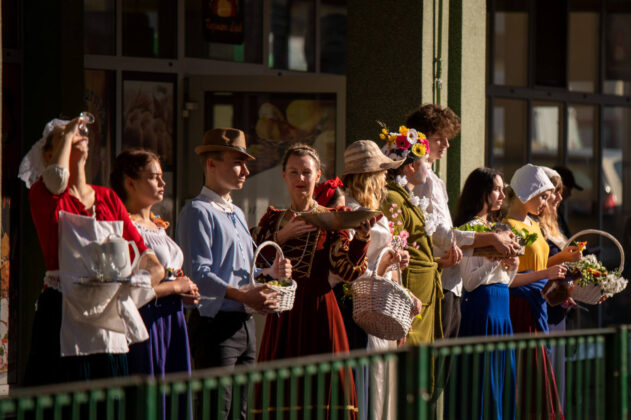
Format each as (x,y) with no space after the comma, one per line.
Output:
(590,366)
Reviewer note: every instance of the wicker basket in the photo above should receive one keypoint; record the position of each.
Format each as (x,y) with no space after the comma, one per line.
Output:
(381,307)
(591,294)
(287,293)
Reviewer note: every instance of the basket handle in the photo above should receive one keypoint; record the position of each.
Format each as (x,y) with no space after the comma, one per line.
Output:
(381,255)
(606,235)
(256,254)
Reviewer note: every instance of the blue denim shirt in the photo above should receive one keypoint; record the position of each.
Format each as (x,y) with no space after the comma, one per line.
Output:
(218,249)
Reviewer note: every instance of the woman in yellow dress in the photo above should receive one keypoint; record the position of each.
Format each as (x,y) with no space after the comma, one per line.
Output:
(528,308)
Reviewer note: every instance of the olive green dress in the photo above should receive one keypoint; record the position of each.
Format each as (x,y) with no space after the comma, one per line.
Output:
(422,276)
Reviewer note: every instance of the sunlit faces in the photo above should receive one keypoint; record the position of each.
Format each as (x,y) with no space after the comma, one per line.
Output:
(301,175)
(438,145)
(416,172)
(537,203)
(148,189)
(555,198)
(496,197)
(230,172)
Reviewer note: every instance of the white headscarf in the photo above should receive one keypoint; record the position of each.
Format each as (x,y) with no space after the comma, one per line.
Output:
(530,180)
(550,172)
(33,164)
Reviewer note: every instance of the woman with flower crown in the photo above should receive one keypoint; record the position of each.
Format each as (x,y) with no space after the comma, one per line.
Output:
(315,324)
(403,209)
(137,178)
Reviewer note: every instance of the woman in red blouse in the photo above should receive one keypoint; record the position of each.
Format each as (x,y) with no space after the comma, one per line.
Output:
(63,186)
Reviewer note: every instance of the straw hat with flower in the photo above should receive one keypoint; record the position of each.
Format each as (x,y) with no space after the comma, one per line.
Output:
(406,144)
(364,156)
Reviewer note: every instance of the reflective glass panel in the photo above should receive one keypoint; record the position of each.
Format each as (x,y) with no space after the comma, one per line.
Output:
(583,51)
(150,28)
(509,135)
(510,61)
(617,54)
(545,133)
(332,37)
(99,26)
(292,35)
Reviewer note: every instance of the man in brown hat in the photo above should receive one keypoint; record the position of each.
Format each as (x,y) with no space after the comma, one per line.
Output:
(218,256)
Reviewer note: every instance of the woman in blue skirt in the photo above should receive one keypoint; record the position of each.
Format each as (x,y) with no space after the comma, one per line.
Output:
(137,178)
(485,303)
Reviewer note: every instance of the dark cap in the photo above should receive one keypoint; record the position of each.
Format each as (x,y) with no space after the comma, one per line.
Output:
(568,177)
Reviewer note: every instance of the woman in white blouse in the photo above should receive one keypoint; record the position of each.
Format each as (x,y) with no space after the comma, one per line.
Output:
(485,303)
(137,178)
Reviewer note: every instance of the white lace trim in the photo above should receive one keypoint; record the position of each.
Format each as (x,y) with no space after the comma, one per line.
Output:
(431,219)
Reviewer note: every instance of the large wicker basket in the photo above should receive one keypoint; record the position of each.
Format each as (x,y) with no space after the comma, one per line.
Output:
(287,293)
(591,294)
(381,307)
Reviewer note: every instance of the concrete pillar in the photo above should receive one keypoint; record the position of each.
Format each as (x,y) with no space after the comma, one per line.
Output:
(466,90)
(385,66)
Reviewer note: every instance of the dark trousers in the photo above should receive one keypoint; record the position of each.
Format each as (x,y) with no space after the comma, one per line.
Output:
(226,340)
(451,314)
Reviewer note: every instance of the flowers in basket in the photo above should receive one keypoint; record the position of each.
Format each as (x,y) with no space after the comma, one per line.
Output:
(589,272)
(272,281)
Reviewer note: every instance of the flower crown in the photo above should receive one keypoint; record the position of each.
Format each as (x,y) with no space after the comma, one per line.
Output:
(399,145)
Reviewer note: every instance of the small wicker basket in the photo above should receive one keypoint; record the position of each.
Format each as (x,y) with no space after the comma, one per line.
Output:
(287,293)
(592,293)
(381,307)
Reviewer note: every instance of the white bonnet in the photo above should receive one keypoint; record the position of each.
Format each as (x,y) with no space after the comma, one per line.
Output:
(550,172)
(33,164)
(530,180)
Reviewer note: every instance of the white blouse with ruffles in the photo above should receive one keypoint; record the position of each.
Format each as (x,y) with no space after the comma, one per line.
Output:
(480,271)
(168,252)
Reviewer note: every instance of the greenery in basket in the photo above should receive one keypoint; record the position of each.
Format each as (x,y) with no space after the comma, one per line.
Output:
(272,281)
(588,270)
(523,237)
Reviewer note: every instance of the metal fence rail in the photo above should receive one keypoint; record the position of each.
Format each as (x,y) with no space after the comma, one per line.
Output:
(473,378)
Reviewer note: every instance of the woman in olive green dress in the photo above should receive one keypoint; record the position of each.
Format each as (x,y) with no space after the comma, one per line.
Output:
(405,213)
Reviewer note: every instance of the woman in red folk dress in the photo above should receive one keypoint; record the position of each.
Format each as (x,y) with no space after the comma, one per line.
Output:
(314,325)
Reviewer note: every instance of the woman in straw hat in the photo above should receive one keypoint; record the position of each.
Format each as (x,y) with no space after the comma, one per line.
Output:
(315,324)
(364,178)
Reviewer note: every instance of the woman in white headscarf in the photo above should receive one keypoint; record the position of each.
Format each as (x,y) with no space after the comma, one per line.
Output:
(54,170)
(528,309)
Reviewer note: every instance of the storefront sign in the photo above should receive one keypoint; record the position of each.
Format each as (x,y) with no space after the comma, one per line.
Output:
(223,21)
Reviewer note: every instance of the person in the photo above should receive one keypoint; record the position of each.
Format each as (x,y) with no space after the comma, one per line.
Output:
(569,183)
(401,206)
(314,325)
(440,124)
(364,178)
(137,179)
(218,254)
(329,193)
(77,347)
(485,302)
(560,251)
(531,188)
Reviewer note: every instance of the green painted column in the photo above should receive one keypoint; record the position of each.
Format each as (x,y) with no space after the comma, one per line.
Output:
(466,90)
(385,66)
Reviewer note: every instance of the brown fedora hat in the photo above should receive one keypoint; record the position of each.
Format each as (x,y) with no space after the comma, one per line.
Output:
(364,156)
(219,139)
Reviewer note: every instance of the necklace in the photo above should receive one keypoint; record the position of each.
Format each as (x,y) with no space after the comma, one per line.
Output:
(304,249)
(483,221)
(311,210)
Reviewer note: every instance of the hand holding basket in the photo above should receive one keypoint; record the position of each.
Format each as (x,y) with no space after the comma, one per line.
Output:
(286,294)
(381,307)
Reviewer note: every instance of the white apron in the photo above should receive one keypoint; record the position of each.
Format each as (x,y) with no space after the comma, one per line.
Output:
(96,318)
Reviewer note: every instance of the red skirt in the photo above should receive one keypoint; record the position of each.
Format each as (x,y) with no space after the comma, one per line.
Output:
(527,402)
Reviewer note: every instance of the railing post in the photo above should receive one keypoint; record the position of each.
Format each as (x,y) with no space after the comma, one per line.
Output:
(415,379)
(616,371)
(142,400)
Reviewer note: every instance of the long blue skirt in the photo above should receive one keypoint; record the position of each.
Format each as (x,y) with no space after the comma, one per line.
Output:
(166,350)
(485,312)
